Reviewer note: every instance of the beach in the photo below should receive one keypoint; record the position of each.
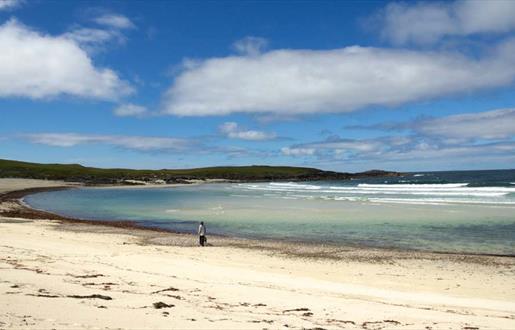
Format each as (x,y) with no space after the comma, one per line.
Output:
(59,274)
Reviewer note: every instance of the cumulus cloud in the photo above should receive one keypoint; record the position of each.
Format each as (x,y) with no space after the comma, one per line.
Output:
(36,65)
(250,45)
(233,131)
(116,21)
(129,109)
(9,4)
(139,143)
(293,82)
(427,22)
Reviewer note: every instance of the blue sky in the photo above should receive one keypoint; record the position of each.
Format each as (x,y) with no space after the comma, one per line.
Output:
(337,85)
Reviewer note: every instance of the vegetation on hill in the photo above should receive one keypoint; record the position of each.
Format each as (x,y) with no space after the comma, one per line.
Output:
(92,175)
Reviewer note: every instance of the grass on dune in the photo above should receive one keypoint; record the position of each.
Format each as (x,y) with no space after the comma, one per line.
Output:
(18,169)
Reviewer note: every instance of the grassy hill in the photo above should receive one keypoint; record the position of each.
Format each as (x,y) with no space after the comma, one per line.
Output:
(76,172)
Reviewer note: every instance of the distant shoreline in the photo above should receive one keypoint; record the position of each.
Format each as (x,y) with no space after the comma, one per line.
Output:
(253,173)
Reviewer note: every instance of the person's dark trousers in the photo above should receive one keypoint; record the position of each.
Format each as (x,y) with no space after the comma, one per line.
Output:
(202,240)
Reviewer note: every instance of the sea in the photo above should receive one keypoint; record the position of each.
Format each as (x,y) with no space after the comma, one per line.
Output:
(455,211)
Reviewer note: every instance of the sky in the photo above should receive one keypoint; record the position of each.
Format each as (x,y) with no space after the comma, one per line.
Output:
(338,85)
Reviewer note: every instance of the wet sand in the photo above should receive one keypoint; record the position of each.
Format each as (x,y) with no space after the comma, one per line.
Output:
(63,273)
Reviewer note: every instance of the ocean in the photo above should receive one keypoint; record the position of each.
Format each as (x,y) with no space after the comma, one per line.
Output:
(456,211)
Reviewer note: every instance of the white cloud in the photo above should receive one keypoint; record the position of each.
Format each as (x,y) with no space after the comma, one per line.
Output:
(61,139)
(427,22)
(250,45)
(340,146)
(451,152)
(293,82)
(411,149)
(478,136)
(336,146)
(298,151)
(233,131)
(147,144)
(129,109)
(38,66)
(9,4)
(495,124)
(139,143)
(488,125)
(497,155)
(116,21)
(144,143)
(91,39)
(94,39)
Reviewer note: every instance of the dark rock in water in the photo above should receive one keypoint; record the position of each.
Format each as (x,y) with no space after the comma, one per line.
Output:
(160,304)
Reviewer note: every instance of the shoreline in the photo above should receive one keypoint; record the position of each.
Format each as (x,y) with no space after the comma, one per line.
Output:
(25,211)
(59,274)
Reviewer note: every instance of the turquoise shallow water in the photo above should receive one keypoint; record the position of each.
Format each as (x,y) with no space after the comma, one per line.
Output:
(422,211)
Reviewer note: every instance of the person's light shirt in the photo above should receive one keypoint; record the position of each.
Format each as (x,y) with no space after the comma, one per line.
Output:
(202,230)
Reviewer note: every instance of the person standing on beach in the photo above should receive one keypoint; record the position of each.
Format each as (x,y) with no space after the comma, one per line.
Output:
(202,233)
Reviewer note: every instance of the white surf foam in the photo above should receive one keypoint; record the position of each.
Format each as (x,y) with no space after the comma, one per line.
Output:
(394,193)
(294,185)
(395,190)
(414,185)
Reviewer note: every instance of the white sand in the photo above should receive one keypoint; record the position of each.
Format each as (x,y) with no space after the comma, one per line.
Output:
(19,184)
(43,263)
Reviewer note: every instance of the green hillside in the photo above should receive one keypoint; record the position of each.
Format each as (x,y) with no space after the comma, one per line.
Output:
(76,172)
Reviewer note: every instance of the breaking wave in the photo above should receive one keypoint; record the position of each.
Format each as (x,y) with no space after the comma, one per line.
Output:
(408,193)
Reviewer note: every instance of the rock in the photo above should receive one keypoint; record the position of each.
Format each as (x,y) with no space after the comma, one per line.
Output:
(160,304)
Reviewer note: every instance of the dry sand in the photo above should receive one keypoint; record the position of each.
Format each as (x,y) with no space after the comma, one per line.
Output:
(19,184)
(61,275)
